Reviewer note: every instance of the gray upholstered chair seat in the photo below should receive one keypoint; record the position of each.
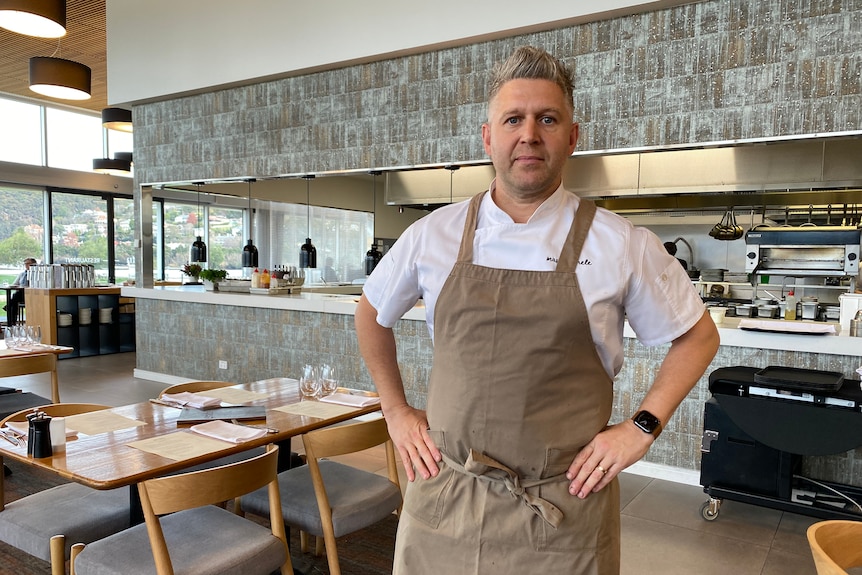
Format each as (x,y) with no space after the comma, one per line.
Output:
(358,498)
(235,547)
(78,512)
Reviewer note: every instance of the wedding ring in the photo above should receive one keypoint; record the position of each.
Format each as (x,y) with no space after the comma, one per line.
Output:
(602,469)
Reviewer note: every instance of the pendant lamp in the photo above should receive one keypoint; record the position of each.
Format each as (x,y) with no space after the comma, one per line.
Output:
(198,251)
(308,253)
(118,119)
(40,18)
(249,252)
(120,165)
(59,78)
(372,256)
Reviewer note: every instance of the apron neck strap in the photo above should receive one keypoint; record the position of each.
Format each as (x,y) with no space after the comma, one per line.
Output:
(571,252)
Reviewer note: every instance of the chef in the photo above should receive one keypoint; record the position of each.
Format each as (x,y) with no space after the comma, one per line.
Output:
(513,466)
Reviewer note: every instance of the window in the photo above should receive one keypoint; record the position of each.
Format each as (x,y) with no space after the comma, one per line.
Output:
(342,235)
(73,139)
(180,228)
(124,236)
(224,248)
(80,231)
(21,236)
(21,126)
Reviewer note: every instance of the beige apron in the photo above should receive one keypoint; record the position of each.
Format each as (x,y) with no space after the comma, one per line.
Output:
(516,389)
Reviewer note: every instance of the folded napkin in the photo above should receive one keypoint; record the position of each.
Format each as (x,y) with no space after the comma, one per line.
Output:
(22,428)
(230,432)
(186,399)
(350,399)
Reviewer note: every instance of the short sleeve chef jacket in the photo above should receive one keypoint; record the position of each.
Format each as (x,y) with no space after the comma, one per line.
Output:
(624,271)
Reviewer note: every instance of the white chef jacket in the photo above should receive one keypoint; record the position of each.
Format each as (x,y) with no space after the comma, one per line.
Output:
(624,271)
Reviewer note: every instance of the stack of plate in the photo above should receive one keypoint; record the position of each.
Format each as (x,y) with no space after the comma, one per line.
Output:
(85,316)
(105,314)
(64,319)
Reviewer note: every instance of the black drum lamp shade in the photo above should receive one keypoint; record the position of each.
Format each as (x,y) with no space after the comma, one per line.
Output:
(118,119)
(120,165)
(59,78)
(40,18)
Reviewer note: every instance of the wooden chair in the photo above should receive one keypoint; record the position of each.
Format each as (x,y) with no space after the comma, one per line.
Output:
(287,457)
(195,386)
(46,523)
(185,532)
(836,546)
(28,364)
(330,499)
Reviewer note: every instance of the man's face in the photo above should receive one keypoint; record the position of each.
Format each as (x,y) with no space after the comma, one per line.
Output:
(529,135)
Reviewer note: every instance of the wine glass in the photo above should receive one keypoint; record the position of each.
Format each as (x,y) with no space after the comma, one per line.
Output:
(328,379)
(34,334)
(309,385)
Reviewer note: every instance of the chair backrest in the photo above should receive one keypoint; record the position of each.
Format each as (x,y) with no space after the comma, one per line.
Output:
(195,386)
(205,487)
(27,364)
(350,438)
(836,546)
(55,410)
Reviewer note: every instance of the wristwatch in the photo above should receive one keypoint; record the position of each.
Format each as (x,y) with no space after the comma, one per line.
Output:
(647,422)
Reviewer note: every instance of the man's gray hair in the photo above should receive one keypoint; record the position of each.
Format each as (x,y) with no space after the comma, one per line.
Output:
(529,62)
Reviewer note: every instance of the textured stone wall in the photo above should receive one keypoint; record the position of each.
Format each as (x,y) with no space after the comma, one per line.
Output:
(703,72)
(187,340)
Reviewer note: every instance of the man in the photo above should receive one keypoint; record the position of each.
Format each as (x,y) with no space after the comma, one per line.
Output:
(513,468)
(17,299)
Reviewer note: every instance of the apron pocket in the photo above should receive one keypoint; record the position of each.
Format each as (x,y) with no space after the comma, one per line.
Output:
(425,498)
(584,520)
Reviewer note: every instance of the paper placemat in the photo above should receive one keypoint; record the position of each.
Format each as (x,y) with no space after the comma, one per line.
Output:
(7,351)
(316,409)
(105,421)
(179,445)
(234,394)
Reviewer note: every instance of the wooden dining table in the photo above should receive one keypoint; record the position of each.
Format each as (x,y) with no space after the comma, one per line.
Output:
(32,349)
(131,443)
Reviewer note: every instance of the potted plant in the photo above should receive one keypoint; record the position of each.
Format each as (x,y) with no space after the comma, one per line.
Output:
(194,272)
(212,277)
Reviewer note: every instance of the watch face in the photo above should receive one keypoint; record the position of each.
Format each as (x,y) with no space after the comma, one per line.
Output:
(648,422)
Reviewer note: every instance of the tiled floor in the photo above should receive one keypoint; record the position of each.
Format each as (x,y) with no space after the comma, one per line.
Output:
(662,528)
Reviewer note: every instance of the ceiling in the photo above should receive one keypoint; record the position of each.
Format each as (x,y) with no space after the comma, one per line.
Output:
(84,42)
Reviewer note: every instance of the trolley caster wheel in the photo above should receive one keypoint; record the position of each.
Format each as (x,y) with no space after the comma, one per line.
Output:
(709,510)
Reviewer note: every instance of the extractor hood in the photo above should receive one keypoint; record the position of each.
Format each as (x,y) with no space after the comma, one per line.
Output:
(652,178)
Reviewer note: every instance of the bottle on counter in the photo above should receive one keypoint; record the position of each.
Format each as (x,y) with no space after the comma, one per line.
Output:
(790,306)
(264,278)
(255,278)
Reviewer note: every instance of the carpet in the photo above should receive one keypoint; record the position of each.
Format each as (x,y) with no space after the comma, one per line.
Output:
(366,552)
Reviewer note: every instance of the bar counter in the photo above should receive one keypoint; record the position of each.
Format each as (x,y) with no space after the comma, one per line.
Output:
(184,332)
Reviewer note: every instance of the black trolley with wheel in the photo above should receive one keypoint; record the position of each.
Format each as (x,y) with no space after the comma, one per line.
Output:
(758,425)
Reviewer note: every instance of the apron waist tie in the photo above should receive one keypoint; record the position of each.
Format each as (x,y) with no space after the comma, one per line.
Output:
(481,466)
